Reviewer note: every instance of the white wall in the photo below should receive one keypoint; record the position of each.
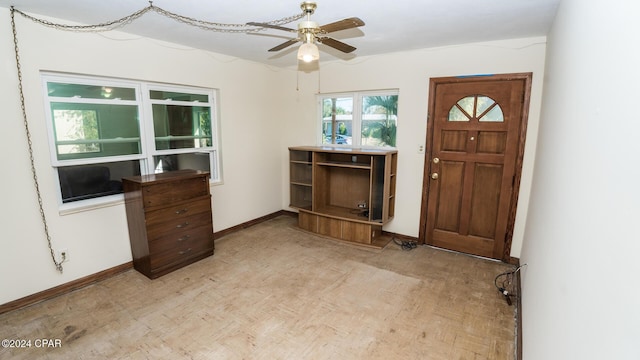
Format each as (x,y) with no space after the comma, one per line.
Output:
(410,73)
(98,239)
(580,286)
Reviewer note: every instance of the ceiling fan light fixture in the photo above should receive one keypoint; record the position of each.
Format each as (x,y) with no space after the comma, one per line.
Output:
(310,33)
(308,52)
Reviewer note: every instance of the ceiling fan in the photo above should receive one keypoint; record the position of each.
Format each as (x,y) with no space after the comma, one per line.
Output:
(309,32)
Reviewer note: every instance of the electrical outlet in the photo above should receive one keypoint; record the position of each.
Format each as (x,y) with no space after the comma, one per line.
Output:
(63,255)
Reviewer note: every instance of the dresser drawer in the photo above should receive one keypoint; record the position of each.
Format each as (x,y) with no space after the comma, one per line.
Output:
(178,212)
(169,193)
(178,225)
(178,247)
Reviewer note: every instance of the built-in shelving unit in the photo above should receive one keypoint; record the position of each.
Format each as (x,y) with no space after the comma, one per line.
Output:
(344,193)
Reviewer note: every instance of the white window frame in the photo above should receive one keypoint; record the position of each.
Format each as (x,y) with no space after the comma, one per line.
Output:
(145,123)
(75,79)
(214,159)
(356,126)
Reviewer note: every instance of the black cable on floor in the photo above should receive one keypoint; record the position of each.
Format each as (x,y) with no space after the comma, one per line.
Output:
(406,245)
(507,279)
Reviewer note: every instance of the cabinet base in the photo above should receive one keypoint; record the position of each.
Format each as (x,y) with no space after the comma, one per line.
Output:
(354,232)
(142,266)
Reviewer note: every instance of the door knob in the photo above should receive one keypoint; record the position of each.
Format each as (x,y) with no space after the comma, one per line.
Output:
(434,176)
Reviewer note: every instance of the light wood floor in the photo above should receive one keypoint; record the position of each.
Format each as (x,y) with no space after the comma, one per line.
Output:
(274,292)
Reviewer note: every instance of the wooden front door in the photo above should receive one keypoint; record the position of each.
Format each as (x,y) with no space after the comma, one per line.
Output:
(475,142)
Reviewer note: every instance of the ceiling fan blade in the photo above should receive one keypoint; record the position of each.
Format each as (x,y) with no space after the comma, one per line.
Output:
(344,24)
(265,25)
(338,45)
(285,44)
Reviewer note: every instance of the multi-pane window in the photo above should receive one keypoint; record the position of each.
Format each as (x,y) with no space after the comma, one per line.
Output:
(367,119)
(183,130)
(102,130)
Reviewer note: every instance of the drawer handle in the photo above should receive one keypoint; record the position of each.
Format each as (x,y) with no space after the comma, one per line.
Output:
(182,225)
(185,251)
(181,211)
(184,238)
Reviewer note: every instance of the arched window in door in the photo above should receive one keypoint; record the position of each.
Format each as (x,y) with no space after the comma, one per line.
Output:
(476,107)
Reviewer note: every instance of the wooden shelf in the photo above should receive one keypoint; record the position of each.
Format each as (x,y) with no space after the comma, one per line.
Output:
(299,183)
(307,207)
(345,165)
(344,213)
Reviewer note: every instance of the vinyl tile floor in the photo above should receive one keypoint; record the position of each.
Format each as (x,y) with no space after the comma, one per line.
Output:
(272,291)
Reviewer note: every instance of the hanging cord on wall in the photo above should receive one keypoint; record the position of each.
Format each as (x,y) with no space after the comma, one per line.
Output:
(58,264)
(506,285)
(110,25)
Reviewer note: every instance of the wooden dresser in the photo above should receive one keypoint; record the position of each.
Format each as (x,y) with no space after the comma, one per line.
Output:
(170,221)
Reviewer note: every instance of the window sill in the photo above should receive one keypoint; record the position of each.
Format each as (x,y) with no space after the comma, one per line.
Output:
(90,204)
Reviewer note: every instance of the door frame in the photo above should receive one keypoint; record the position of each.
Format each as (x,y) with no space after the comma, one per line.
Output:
(433,83)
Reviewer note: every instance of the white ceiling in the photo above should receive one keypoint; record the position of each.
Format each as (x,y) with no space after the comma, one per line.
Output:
(390,25)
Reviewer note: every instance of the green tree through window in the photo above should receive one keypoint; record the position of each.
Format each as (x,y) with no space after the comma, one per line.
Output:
(381,132)
(73,126)
(368,118)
